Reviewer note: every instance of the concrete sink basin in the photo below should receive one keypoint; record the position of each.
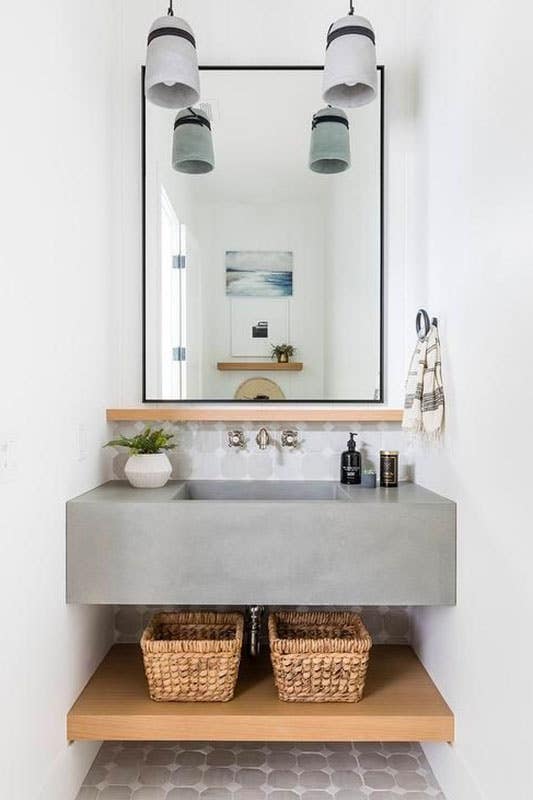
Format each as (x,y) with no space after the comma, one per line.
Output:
(269,491)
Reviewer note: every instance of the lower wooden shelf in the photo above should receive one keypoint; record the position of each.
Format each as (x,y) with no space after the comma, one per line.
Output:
(401,703)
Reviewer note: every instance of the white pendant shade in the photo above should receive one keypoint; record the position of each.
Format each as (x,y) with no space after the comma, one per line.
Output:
(172,79)
(350,73)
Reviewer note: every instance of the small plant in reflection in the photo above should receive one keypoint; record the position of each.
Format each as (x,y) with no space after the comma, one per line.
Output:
(282,352)
(147,442)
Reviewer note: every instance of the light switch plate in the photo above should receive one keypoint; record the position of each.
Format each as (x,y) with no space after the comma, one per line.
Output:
(8,459)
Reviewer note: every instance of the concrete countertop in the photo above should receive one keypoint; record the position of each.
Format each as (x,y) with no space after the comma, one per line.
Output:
(122,492)
(367,547)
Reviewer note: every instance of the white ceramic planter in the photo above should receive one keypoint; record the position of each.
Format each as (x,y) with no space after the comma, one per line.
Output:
(149,471)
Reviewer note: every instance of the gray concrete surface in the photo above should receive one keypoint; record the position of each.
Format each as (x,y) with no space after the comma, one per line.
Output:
(365,547)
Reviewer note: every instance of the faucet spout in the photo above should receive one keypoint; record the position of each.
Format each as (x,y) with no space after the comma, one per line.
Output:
(263,439)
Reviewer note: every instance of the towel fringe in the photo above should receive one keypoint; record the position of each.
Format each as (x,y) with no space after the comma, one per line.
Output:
(423,415)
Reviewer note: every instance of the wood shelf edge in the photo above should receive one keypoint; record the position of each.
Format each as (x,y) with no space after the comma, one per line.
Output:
(153,728)
(401,703)
(251,413)
(259,366)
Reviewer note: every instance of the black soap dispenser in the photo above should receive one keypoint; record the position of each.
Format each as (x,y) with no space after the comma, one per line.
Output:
(351,463)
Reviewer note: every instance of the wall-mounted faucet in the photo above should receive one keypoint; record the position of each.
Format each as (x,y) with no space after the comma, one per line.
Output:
(288,439)
(263,439)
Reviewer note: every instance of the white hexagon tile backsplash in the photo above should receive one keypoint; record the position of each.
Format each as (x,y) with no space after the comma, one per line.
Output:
(386,625)
(202,450)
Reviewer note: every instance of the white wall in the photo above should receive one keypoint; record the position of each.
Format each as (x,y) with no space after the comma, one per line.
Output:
(159,174)
(252,32)
(56,343)
(352,286)
(470,252)
(298,228)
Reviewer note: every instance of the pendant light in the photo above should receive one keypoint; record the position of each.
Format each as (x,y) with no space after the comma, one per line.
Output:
(172,77)
(192,147)
(330,141)
(350,73)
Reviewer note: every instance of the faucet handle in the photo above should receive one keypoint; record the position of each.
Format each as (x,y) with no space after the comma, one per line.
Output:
(289,439)
(236,439)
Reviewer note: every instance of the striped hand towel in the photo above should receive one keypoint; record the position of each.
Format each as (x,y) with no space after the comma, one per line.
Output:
(424,392)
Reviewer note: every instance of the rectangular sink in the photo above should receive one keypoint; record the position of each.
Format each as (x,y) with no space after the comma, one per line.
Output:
(260,490)
(260,543)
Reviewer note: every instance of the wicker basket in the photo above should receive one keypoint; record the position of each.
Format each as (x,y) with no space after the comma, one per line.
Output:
(192,657)
(319,657)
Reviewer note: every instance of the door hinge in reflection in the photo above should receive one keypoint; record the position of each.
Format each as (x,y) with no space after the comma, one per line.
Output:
(179,354)
(178,262)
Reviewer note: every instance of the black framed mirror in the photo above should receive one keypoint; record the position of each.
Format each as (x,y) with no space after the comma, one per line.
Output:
(263,251)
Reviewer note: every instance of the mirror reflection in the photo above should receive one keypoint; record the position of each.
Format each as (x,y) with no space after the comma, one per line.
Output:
(263,237)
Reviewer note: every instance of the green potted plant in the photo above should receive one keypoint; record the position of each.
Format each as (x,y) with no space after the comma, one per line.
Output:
(148,466)
(283,352)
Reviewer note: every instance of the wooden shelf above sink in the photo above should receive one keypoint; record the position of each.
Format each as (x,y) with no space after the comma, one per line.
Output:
(401,703)
(259,366)
(252,412)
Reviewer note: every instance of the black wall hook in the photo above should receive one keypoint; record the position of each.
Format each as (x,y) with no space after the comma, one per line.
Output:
(423,316)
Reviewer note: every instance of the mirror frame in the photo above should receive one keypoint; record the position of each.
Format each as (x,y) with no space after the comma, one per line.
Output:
(272,68)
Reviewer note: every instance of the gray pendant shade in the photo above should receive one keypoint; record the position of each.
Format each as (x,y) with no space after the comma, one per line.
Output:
(192,148)
(330,142)
(350,72)
(172,78)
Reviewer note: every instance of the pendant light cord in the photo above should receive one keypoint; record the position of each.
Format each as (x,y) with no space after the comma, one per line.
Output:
(352,8)
(170,11)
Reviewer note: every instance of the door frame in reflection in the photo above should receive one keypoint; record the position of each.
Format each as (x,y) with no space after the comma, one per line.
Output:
(272,68)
